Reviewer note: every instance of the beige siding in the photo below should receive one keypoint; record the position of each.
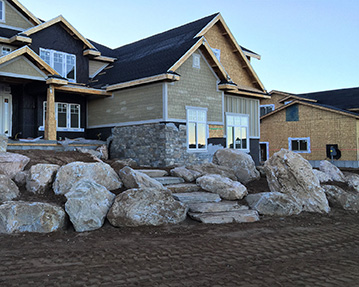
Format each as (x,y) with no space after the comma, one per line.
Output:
(21,67)
(129,105)
(323,127)
(14,19)
(197,88)
(248,106)
(95,66)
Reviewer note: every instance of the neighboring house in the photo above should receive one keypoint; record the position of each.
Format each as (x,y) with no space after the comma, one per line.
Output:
(320,125)
(168,99)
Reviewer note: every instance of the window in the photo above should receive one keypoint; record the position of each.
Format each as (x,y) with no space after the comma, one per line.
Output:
(67,117)
(2,11)
(5,50)
(299,145)
(266,109)
(196,61)
(217,52)
(292,114)
(196,129)
(63,63)
(237,131)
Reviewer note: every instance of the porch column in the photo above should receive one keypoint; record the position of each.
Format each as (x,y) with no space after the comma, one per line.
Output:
(50,121)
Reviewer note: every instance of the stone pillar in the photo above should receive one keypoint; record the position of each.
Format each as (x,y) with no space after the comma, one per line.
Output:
(50,121)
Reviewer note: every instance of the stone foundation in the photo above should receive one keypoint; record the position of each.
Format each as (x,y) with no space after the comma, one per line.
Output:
(156,145)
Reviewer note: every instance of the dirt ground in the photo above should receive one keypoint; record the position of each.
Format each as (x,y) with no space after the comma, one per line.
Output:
(303,250)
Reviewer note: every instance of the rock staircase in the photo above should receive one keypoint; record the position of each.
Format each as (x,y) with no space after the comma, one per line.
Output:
(203,206)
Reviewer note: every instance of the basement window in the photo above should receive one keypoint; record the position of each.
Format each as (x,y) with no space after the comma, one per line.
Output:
(299,145)
(196,61)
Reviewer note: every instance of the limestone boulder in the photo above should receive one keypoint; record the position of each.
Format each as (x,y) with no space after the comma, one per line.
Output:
(273,203)
(223,186)
(119,164)
(211,168)
(103,150)
(239,162)
(332,171)
(8,189)
(21,177)
(12,163)
(338,197)
(289,173)
(135,179)
(88,204)
(146,206)
(322,176)
(3,142)
(20,216)
(186,174)
(96,155)
(101,173)
(352,179)
(41,177)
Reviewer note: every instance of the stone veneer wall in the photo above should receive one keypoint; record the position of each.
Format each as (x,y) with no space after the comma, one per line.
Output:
(156,145)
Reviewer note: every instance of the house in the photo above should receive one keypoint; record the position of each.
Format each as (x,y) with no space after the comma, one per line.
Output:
(321,125)
(171,98)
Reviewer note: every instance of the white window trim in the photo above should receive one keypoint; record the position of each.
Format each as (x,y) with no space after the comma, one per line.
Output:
(196,61)
(306,139)
(68,117)
(65,63)
(241,115)
(187,130)
(2,20)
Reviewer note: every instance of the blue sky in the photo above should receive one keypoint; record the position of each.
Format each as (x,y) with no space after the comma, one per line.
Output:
(306,45)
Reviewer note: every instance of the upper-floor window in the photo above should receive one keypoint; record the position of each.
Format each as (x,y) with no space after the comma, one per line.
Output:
(5,50)
(63,63)
(2,11)
(196,61)
(266,109)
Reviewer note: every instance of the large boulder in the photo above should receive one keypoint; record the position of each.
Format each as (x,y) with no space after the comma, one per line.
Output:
(12,163)
(223,186)
(147,206)
(332,171)
(87,205)
(8,189)
(322,176)
(119,164)
(289,173)
(101,173)
(41,177)
(20,216)
(186,174)
(341,198)
(135,179)
(352,179)
(273,203)
(211,168)
(240,162)
(21,178)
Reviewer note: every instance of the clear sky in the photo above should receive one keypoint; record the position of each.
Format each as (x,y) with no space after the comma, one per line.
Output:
(306,45)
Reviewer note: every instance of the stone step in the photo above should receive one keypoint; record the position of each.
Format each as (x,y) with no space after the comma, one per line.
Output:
(239,216)
(196,197)
(216,207)
(167,180)
(183,187)
(154,172)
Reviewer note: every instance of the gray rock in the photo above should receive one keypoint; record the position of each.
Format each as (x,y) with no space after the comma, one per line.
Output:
(352,179)
(103,150)
(68,175)
(211,168)
(273,203)
(21,177)
(240,216)
(12,163)
(332,171)
(3,142)
(222,206)
(20,216)
(183,187)
(41,177)
(169,180)
(153,172)
(135,179)
(223,186)
(8,188)
(148,206)
(186,174)
(196,197)
(93,153)
(341,198)
(322,176)
(88,204)
(240,162)
(121,163)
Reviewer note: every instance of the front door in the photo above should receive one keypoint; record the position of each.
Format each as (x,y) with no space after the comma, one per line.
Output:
(5,114)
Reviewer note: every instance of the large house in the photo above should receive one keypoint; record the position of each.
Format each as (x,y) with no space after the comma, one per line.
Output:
(320,125)
(171,98)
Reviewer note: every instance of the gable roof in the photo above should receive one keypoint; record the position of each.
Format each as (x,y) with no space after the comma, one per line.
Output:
(62,20)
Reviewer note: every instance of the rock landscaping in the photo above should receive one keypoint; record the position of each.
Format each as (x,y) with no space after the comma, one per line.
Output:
(46,197)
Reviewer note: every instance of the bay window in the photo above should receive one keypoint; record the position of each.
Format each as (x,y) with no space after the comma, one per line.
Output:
(196,129)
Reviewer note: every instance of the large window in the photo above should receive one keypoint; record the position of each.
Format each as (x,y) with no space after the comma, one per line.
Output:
(67,116)
(237,131)
(266,109)
(63,63)
(299,145)
(196,129)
